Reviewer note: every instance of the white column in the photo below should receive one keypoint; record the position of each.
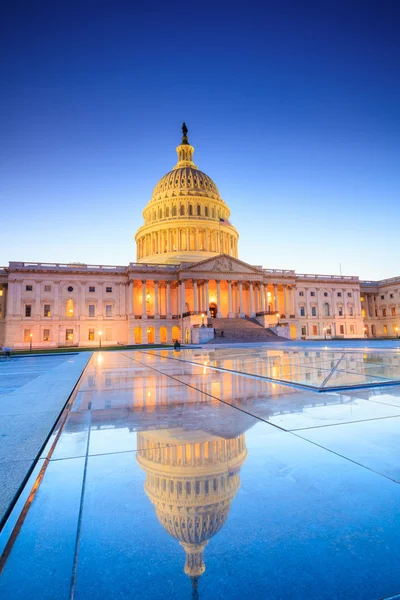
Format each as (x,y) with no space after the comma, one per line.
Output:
(37,298)
(285,300)
(130,298)
(219,298)
(56,309)
(144,314)
(168,300)
(182,300)
(196,304)
(230,313)
(156,301)
(251,300)
(82,311)
(207,299)
(241,313)
(262,297)
(122,308)
(276,297)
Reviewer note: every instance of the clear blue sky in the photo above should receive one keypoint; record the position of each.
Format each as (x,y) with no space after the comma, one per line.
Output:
(293,109)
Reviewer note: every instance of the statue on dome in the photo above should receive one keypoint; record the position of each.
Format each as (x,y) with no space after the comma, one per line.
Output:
(184,134)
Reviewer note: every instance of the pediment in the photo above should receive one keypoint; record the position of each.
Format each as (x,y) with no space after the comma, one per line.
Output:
(222,264)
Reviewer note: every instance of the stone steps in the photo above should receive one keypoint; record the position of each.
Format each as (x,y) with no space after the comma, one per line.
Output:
(241,330)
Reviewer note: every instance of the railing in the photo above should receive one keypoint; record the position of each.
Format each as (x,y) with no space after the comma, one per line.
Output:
(278,271)
(330,277)
(381,281)
(80,266)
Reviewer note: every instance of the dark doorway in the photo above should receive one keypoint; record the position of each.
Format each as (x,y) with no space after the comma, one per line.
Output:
(213,310)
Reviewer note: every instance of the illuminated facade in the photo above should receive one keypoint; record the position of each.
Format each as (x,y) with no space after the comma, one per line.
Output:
(187,266)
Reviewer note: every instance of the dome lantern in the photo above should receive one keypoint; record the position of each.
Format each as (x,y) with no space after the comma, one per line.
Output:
(185,151)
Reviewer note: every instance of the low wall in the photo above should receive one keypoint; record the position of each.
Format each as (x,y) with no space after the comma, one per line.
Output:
(201,335)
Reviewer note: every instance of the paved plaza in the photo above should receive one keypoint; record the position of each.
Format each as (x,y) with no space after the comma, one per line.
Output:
(216,473)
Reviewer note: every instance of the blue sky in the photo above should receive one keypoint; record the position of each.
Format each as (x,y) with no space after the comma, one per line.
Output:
(292,107)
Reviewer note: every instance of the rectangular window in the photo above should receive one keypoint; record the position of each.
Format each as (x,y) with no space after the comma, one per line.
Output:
(28,310)
(108,289)
(352,329)
(315,330)
(108,310)
(382,297)
(313,311)
(351,311)
(326,294)
(349,294)
(339,294)
(312,293)
(393,311)
(46,335)
(340,311)
(27,335)
(91,335)
(383,312)
(391,295)
(385,330)
(342,329)
(46,310)
(91,310)
(47,288)
(108,334)
(303,331)
(1,292)
(301,293)
(69,335)
(92,288)
(302,311)
(28,288)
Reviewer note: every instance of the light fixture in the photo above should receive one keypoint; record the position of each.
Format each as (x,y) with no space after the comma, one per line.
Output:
(148,296)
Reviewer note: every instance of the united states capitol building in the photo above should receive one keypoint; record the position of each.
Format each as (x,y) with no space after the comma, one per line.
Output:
(187,274)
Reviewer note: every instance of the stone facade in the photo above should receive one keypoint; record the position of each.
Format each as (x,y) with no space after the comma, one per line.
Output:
(187,270)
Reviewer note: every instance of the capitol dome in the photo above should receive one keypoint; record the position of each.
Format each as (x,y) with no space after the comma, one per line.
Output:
(186,220)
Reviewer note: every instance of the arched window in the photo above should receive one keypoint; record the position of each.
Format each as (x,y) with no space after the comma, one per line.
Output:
(313,311)
(160,213)
(198,210)
(182,210)
(326,309)
(174,211)
(167,211)
(190,210)
(69,308)
(206,211)
(213,213)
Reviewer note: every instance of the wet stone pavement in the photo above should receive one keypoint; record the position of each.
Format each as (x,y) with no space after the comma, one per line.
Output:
(169,478)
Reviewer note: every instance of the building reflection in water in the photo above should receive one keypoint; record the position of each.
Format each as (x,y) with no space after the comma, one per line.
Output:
(191,486)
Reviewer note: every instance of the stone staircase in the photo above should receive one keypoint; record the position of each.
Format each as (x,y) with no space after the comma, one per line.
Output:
(241,330)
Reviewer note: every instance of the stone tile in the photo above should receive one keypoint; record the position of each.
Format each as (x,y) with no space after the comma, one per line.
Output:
(120,430)
(41,559)
(22,439)
(12,474)
(373,444)
(287,519)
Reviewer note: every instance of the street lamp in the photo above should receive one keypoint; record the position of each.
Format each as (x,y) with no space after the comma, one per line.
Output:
(100,334)
(325,332)
(30,342)
(278,316)
(397,331)
(202,319)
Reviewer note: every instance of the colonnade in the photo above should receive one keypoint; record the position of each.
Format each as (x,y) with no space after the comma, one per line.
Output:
(227,298)
(209,239)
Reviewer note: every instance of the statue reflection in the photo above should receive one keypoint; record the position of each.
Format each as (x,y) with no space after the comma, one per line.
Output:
(191,486)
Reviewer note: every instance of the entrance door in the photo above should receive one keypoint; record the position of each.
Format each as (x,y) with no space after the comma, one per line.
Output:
(213,310)
(69,336)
